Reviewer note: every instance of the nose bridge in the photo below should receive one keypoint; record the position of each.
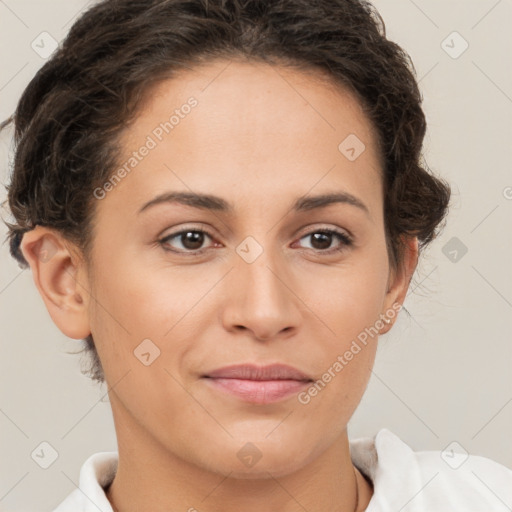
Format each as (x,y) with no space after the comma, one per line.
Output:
(260,298)
(261,275)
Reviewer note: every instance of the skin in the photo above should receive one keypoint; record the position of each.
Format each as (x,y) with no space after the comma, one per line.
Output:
(260,137)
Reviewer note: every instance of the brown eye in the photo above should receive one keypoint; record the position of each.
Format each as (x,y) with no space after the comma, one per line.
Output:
(322,239)
(190,240)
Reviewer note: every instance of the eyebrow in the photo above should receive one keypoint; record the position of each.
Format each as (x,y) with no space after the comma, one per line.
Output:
(215,203)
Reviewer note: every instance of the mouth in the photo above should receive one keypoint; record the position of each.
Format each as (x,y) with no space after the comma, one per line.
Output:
(258,384)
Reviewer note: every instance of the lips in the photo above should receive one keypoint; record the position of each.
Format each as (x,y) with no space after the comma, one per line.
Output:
(258,384)
(253,372)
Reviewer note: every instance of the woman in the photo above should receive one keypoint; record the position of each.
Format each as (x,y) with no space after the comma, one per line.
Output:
(226,201)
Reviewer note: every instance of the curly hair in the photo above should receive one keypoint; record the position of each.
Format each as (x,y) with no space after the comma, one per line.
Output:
(69,118)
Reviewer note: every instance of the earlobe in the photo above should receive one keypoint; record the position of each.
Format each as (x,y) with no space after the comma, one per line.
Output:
(54,269)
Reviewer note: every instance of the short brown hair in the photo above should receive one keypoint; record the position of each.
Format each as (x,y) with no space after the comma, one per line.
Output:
(69,117)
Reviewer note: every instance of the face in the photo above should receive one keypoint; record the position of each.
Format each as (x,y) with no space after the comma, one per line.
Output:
(260,274)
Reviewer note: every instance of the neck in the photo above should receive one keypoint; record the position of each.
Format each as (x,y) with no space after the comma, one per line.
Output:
(150,477)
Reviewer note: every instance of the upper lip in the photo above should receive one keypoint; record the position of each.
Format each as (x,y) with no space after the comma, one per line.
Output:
(254,372)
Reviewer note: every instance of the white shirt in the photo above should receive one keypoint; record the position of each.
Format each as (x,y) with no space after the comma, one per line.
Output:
(403,480)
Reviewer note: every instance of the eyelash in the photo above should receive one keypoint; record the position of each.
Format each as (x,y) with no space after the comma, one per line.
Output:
(343,237)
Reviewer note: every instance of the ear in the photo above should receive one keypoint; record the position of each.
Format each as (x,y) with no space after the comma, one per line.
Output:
(398,283)
(54,269)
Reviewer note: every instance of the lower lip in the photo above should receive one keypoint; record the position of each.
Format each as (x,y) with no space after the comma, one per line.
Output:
(259,391)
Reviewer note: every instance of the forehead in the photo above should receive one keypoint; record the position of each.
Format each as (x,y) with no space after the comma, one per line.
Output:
(250,99)
(253,126)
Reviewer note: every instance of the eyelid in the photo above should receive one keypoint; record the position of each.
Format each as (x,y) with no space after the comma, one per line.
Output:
(326,227)
(182,230)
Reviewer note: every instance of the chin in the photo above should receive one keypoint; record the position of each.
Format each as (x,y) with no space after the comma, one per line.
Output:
(249,462)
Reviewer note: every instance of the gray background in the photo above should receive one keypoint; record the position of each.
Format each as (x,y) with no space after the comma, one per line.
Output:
(442,375)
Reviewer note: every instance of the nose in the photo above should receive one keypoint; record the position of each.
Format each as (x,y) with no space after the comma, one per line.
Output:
(261,299)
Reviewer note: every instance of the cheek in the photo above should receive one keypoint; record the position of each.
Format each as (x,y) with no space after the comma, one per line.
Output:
(348,302)
(134,303)
(350,297)
(345,361)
